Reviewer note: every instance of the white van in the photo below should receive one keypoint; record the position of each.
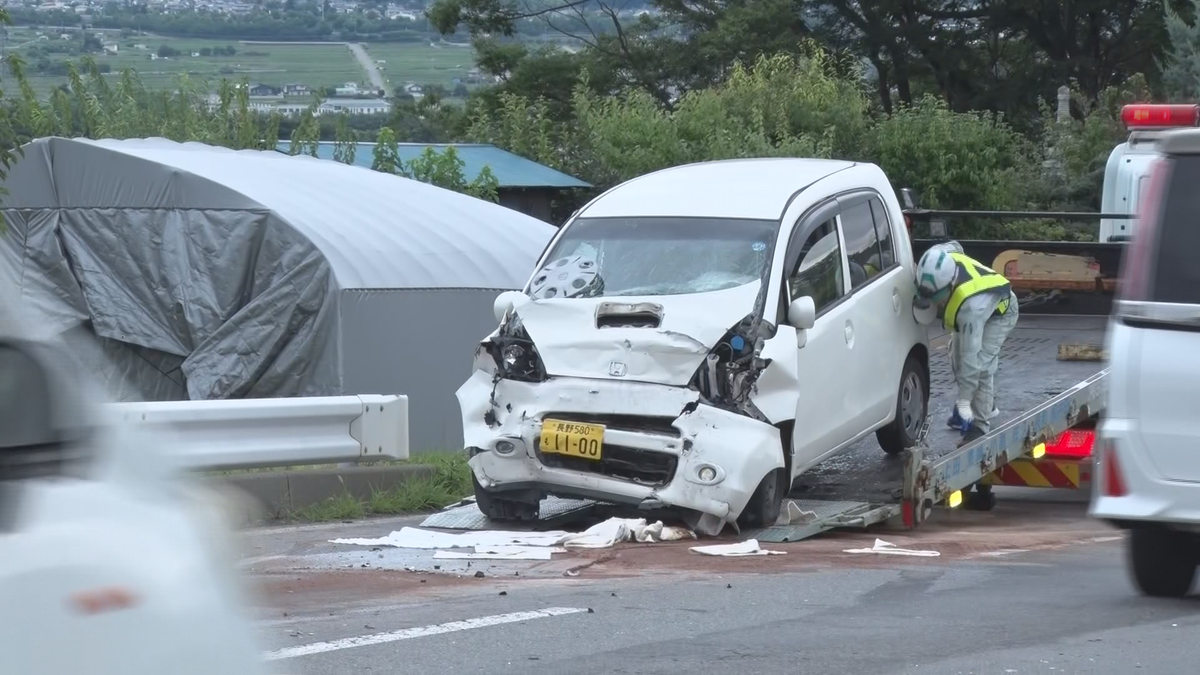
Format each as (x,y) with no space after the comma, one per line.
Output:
(698,337)
(1148,462)
(1128,168)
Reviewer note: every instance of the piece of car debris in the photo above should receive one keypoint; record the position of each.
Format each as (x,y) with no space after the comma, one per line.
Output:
(503,592)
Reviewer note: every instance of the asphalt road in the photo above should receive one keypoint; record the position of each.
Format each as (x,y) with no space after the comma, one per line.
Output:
(1029,588)
(368,65)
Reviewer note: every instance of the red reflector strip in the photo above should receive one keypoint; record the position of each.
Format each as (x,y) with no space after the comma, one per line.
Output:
(1072,444)
(1114,485)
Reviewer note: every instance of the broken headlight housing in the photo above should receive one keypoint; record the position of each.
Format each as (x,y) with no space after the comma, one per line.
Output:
(515,356)
(727,376)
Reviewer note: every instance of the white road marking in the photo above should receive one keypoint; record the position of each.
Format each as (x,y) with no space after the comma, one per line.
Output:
(419,631)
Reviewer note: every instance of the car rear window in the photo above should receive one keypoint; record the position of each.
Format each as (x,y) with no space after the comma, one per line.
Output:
(1176,274)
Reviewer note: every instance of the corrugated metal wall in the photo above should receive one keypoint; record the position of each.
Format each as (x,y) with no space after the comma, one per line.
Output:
(417,342)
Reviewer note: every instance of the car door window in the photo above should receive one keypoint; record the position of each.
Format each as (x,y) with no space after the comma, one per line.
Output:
(883,230)
(862,244)
(818,273)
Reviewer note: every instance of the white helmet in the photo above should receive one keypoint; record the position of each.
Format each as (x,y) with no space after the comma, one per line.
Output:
(935,274)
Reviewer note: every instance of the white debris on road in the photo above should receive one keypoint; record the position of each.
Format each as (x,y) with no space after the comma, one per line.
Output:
(745,548)
(500,553)
(887,548)
(497,544)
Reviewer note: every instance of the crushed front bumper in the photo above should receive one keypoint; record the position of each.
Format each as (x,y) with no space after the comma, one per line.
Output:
(658,440)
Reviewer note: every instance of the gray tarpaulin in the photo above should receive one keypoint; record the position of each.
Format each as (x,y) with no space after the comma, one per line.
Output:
(212,273)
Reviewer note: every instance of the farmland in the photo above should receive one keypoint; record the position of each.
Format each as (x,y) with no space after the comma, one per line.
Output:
(317,65)
(422,63)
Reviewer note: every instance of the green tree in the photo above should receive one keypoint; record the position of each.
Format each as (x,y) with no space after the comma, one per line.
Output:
(445,170)
(387,152)
(346,144)
(1181,65)
(954,160)
(306,137)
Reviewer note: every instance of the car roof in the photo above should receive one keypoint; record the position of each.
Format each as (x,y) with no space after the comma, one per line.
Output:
(1180,142)
(737,188)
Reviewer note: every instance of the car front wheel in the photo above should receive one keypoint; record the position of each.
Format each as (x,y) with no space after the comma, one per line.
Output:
(912,400)
(1163,561)
(766,502)
(498,508)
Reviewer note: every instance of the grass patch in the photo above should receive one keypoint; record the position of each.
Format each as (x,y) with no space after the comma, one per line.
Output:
(450,482)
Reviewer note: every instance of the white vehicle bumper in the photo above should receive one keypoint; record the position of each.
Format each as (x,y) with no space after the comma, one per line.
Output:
(657,439)
(1148,496)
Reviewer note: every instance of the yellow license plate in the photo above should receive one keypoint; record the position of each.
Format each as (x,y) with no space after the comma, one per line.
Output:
(574,439)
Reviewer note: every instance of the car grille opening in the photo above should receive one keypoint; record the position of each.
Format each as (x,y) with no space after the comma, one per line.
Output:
(644,467)
(635,423)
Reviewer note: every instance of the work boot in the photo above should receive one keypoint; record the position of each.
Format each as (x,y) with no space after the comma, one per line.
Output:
(973,434)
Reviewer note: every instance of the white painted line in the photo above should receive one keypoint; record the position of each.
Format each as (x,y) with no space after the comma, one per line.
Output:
(419,631)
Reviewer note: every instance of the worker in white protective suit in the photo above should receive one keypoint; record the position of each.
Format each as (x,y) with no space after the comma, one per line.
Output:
(978,307)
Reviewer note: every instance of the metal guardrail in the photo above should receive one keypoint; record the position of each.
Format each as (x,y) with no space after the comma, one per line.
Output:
(269,432)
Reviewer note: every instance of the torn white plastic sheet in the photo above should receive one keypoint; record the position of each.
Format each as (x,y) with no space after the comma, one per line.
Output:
(501,553)
(740,550)
(887,548)
(601,535)
(792,514)
(616,530)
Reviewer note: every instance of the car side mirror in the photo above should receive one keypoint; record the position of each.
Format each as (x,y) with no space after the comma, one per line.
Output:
(506,301)
(802,313)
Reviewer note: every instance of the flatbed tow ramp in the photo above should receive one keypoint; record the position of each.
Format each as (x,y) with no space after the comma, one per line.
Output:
(1050,382)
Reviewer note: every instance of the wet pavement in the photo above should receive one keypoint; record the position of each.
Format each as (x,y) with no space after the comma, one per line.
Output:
(1030,587)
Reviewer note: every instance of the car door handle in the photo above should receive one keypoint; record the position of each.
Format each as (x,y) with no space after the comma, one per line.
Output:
(849,332)
(896,300)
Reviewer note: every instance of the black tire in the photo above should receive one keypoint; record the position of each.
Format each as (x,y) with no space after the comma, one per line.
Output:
(1163,561)
(901,433)
(766,502)
(980,499)
(498,508)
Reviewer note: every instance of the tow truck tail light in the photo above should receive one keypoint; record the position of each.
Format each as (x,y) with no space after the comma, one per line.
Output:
(1072,444)
(1114,484)
(1151,116)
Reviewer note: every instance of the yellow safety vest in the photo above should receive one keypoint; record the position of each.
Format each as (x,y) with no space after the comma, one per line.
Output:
(972,279)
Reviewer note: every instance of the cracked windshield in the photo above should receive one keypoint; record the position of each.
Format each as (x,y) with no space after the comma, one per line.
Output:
(282,392)
(667,256)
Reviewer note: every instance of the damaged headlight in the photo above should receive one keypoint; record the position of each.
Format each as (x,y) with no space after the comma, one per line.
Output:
(515,356)
(729,372)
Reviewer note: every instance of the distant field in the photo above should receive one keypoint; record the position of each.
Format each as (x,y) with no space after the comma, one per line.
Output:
(422,63)
(313,64)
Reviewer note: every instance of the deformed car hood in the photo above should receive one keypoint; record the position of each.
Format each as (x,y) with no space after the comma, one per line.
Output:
(570,344)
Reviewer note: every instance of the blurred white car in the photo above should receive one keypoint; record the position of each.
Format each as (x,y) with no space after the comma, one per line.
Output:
(111,562)
(1148,464)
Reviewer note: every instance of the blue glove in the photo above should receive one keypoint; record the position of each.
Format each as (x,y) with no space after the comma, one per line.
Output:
(961,417)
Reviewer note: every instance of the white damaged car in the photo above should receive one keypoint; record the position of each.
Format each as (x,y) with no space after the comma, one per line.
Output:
(697,338)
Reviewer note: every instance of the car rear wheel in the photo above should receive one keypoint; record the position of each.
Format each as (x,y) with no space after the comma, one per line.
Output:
(766,502)
(912,400)
(1163,561)
(498,508)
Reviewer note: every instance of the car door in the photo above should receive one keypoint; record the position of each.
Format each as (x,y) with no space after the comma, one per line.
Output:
(815,265)
(877,286)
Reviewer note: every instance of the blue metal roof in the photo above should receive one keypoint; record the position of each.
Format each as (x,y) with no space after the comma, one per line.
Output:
(511,170)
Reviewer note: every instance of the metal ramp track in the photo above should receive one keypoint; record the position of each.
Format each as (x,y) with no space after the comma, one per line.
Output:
(826,515)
